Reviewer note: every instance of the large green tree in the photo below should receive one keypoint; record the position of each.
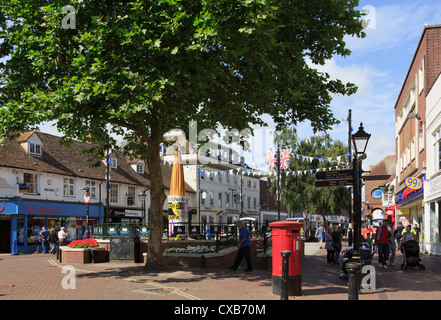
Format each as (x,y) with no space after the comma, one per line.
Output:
(141,68)
(298,192)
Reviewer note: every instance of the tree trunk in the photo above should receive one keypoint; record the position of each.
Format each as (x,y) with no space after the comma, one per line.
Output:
(155,261)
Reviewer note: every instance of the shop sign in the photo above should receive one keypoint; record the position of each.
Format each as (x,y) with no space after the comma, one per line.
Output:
(413,183)
(377,193)
(133,213)
(408,193)
(377,214)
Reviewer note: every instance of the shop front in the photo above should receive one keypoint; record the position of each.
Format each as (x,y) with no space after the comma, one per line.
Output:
(22,220)
(409,207)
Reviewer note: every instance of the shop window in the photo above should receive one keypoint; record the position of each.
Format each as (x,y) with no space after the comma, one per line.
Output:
(20,230)
(74,228)
(35,223)
(31,181)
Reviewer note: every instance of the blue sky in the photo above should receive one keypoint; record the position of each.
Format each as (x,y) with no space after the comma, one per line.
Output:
(378,65)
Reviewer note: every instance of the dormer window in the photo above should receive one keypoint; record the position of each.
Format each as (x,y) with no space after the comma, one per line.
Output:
(113,163)
(140,168)
(35,149)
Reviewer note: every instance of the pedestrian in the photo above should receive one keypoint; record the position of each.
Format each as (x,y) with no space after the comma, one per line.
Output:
(374,236)
(53,240)
(37,239)
(417,232)
(328,246)
(400,230)
(44,234)
(320,234)
(207,232)
(382,242)
(408,234)
(392,244)
(244,246)
(62,236)
(336,244)
(369,240)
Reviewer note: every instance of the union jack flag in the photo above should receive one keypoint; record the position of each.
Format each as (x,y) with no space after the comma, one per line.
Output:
(284,158)
(271,159)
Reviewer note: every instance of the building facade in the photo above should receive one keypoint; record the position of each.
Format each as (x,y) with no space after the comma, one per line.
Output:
(42,183)
(411,134)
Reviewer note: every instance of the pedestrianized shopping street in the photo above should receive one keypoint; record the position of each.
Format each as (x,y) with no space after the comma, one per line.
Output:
(40,277)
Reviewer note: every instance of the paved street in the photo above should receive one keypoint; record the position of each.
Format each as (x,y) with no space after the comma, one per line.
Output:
(38,276)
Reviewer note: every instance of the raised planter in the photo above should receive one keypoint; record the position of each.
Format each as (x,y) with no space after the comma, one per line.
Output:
(223,258)
(82,255)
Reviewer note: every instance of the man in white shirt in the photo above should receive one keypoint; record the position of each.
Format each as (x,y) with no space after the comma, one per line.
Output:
(62,236)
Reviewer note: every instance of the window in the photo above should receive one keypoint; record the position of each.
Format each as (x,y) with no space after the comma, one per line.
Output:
(235,181)
(113,163)
(254,203)
(114,193)
(131,196)
(68,187)
(421,77)
(227,178)
(249,184)
(248,202)
(227,200)
(35,149)
(220,177)
(220,200)
(254,185)
(211,198)
(203,195)
(139,168)
(438,150)
(412,149)
(92,188)
(421,138)
(31,181)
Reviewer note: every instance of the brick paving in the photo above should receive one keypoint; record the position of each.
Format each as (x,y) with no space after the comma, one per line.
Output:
(40,277)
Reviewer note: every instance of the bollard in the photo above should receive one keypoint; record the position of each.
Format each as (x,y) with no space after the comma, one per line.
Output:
(354,270)
(285,267)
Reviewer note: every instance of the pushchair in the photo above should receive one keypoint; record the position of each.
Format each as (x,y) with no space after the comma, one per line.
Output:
(411,252)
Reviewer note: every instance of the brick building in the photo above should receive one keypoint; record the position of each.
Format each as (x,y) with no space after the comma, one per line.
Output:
(410,119)
(375,187)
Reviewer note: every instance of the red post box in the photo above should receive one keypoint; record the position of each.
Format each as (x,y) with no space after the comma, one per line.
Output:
(286,236)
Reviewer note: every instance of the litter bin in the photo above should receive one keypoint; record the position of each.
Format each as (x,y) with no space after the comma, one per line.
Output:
(124,248)
(287,236)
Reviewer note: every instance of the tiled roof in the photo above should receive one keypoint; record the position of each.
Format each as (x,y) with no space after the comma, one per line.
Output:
(68,161)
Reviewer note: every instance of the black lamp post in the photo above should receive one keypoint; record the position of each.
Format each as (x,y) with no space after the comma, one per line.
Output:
(360,140)
(141,198)
(87,234)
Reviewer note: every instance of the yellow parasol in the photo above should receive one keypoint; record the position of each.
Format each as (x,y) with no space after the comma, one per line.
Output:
(177,184)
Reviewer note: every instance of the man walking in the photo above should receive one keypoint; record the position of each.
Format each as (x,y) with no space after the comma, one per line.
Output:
(244,246)
(62,235)
(44,234)
(382,240)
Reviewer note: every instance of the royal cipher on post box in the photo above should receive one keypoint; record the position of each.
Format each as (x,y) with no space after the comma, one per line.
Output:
(286,236)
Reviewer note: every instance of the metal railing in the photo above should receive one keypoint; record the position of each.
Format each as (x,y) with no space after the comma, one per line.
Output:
(223,234)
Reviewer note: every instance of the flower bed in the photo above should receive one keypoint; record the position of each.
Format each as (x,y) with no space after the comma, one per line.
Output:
(85,243)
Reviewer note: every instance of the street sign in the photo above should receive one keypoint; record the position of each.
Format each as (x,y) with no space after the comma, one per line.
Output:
(334,183)
(334,175)
(86,197)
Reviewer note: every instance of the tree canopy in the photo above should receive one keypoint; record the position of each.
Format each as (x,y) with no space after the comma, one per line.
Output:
(141,68)
(299,192)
